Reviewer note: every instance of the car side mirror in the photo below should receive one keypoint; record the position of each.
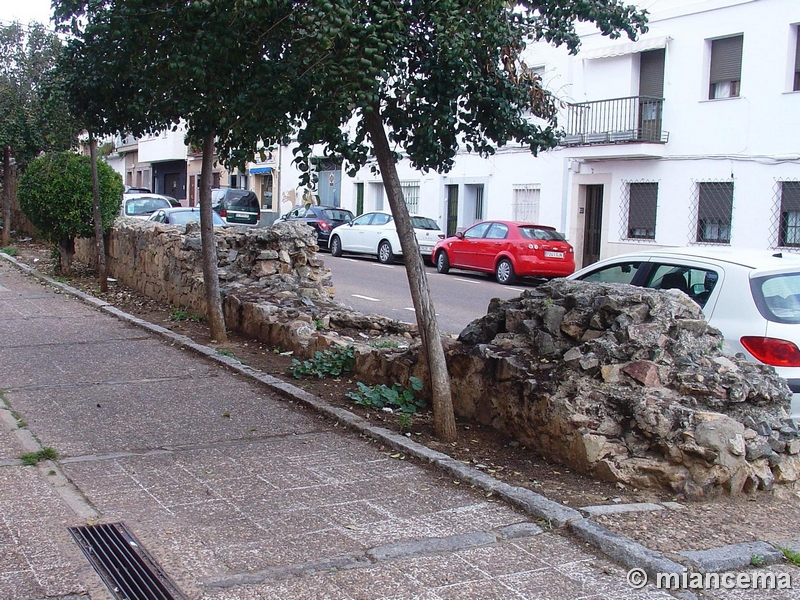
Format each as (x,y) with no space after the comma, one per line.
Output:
(350,223)
(460,235)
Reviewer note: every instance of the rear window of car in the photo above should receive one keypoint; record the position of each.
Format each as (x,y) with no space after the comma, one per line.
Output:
(541,233)
(139,207)
(778,297)
(243,200)
(424,223)
(338,215)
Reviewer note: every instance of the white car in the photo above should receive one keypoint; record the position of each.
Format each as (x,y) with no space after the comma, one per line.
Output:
(141,206)
(375,233)
(751,296)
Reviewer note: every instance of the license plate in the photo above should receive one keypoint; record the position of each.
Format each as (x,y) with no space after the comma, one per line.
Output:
(551,254)
(235,215)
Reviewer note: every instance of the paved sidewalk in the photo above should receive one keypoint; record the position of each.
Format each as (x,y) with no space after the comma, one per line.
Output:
(235,492)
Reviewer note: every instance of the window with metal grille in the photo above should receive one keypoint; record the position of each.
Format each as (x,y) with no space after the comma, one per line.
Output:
(525,203)
(642,201)
(714,212)
(411,195)
(796,86)
(789,232)
(479,203)
(726,67)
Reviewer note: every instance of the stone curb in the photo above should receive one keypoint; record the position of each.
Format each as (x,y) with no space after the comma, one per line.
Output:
(618,547)
(734,556)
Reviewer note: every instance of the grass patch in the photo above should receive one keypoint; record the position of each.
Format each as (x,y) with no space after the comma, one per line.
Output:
(10,250)
(31,459)
(183,314)
(792,556)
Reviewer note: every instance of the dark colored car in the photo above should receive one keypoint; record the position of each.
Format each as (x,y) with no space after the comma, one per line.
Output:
(182,216)
(237,207)
(508,249)
(322,218)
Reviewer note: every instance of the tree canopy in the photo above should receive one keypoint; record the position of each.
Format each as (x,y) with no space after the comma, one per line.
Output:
(33,116)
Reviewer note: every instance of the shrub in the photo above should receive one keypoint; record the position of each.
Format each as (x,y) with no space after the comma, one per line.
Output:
(55,193)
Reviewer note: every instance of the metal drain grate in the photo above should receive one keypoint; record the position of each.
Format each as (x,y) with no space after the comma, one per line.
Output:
(123,564)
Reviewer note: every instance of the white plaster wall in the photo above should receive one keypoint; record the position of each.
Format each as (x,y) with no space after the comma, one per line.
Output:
(167,145)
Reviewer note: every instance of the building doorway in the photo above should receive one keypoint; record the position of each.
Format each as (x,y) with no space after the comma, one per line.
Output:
(592,224)
(452,209)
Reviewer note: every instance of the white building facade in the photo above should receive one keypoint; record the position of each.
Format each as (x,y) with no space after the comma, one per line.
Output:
(690,135)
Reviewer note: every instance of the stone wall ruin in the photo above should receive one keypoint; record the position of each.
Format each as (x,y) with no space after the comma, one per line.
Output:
(624,383)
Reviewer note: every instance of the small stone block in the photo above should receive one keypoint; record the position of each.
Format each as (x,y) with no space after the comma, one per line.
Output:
(616,509)
(519,530)
(734,556)
(673,505)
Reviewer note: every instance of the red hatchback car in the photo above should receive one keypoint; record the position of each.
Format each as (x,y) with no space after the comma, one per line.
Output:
(508,249)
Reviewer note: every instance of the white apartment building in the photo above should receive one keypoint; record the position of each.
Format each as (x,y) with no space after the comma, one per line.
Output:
(690,135)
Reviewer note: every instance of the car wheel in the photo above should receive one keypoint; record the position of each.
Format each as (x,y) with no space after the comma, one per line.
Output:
(385,254)
(335,246)
(505,272)
(442,262)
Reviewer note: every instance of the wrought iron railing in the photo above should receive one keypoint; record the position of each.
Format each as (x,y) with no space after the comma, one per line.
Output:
(633,119)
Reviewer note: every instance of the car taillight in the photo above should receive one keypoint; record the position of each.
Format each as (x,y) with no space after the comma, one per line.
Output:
(772,351)
(441,236)
(223,213)
(323,225)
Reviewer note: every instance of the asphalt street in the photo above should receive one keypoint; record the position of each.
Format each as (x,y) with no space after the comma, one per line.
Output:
(371,287)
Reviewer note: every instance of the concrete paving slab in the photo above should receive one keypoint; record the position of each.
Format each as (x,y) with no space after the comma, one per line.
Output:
(38,558)
(113,360)
(43,331)
(504,570)
(139,415)
(173,492)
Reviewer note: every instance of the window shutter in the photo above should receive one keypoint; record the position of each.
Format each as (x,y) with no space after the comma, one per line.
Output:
(716,201)
(790,196)
(651,73)
(643,197)
(726,59)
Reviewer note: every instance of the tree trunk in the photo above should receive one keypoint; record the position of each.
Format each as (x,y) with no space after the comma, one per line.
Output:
(66,250)
(216,321)
(5,215)
(98,219)
(444,422)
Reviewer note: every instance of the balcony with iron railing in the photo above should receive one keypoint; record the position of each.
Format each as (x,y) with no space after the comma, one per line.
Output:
(635,119)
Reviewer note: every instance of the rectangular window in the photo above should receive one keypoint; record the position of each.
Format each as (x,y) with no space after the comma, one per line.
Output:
(789,234)
(525,203)
(796,87)
(411,195)
(726,67)
(642,211)
(715,212)
(479,203)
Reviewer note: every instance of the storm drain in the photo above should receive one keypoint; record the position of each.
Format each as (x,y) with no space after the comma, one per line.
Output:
(123,564)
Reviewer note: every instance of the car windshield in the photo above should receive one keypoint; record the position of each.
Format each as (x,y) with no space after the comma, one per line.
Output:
(778,297)
(424,223)
(338,215)
(182,217)
(541,233)
(145,205)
